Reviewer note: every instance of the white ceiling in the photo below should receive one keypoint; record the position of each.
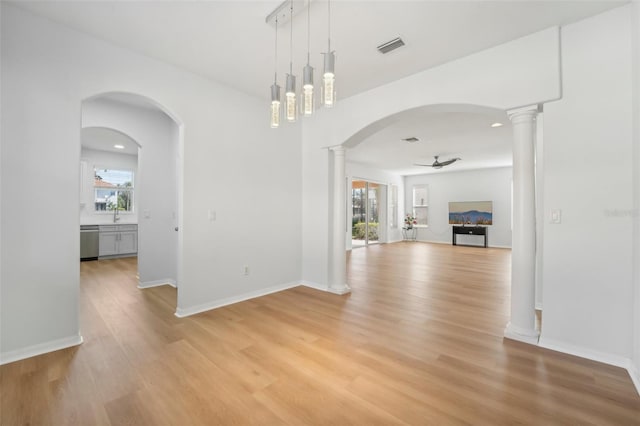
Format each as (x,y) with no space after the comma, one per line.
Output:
(465,133)
(229,42)
(103,139)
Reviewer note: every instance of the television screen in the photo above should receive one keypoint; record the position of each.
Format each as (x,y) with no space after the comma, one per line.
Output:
(471,213)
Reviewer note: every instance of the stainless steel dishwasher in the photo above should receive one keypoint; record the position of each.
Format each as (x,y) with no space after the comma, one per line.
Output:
(89,242)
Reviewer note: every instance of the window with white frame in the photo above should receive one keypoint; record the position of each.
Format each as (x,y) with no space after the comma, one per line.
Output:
(421,204)
(393,206)
(113,190)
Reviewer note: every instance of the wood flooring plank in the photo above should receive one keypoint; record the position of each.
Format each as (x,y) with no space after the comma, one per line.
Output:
(418,341)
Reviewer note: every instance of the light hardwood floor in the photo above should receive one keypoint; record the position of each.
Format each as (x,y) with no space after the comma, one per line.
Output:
(419,341)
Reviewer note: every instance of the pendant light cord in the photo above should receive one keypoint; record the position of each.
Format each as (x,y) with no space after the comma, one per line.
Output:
(275,73)
(329,24)
(308,30)
(291,40)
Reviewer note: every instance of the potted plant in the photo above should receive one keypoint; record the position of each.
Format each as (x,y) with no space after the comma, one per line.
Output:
(409,221)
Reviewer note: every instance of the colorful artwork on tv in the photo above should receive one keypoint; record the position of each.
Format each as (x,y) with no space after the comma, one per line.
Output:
(471,213)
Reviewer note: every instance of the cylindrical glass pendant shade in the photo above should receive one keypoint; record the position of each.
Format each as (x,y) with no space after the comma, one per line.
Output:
(328,80)
(290,93)
(307,103)
(275,106)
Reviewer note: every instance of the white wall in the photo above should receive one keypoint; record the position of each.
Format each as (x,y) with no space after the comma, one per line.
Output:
(473,185)
(636,181)
(103,159)
(521,72)
(588,167)
(156,208)
(233,163)
(587,264)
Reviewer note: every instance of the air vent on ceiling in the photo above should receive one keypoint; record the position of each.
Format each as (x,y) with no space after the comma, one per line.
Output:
(390,45)
(412,139)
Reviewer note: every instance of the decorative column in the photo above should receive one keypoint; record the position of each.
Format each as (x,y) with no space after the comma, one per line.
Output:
(523,252)
(338,263)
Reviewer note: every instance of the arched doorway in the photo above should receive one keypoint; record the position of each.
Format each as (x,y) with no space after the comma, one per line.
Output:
(523,319)
(157,193)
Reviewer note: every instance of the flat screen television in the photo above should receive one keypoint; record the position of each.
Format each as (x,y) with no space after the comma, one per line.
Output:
(471,213)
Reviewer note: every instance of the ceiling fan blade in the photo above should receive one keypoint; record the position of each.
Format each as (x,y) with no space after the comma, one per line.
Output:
(424,165)
(446,163)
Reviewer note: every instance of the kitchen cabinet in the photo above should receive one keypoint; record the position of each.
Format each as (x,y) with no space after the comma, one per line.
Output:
(118,240)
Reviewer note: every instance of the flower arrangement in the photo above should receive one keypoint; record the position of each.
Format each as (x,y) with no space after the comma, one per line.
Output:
(409,221)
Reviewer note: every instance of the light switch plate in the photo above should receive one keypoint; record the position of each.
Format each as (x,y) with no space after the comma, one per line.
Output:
(556,216)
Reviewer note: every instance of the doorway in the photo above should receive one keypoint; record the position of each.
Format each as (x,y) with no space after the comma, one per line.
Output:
(365,222)
(157,202)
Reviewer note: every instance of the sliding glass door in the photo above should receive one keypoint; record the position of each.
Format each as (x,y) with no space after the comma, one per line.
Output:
(365,201)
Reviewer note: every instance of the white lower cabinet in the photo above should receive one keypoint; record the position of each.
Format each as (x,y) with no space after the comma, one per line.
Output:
(116,240)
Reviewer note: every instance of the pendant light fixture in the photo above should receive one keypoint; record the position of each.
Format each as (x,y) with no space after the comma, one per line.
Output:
(307,102)
(275,89)
(290,93)
(328,77)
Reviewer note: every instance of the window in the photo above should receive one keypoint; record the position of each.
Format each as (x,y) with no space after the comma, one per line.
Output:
(393,206)
(113,190)
(420,203)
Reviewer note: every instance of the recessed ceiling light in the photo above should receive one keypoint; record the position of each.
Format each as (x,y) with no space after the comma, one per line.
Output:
(118,146)
(411,139)
(496,124)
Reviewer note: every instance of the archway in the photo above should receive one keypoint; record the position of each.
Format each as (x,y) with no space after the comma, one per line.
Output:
(158,188)
(522,324)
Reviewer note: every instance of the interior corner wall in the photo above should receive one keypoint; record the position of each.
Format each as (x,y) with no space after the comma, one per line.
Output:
(234,164)
(472,185)
(588,289)
(635,370)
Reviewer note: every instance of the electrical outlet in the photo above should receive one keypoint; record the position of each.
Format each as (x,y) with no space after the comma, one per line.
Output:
(246,269)
(211,214)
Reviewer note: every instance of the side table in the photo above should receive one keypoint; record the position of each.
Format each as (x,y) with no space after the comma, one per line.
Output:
(409,234)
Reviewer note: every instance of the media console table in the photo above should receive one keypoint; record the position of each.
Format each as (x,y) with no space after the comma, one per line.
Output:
(470,230)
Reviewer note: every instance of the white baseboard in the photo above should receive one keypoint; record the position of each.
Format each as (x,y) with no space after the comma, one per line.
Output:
(314,285)
(554,345)
(634,372)
(185,312)
(464,245)
(340,291)
(344,290)
(520,334)
(615,360)
(39,349)
(156,283)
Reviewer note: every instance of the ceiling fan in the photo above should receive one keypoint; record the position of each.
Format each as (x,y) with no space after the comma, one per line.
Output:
(439,164)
